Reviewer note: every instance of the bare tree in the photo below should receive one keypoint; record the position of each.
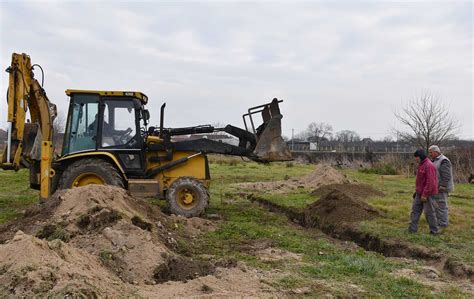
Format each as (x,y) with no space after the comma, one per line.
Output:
(347,136)
(426,121)
(318,131)
(302,136)
(59,125)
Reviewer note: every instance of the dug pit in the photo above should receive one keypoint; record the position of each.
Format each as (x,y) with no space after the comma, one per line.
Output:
(178,268)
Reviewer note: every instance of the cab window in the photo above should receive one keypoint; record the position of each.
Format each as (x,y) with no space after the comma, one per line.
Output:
(81,128)
(118,127)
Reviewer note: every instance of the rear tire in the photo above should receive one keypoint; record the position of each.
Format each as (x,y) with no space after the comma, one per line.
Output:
(187,197)
(90,171)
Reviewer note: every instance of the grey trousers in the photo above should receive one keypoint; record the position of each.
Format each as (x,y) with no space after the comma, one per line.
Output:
(441,208)
(428,207)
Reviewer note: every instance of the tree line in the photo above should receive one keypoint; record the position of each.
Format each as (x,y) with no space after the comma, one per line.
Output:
(425,120)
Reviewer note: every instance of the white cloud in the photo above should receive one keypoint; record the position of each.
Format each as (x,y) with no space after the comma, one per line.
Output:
(343,63)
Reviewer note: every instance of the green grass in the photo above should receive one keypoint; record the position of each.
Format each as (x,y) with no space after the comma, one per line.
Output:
(326,266)
(247,224)
(15,194)
(299,198)
(456,240)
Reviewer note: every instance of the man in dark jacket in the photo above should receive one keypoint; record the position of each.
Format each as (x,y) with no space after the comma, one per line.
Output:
(445,184)
(426,187)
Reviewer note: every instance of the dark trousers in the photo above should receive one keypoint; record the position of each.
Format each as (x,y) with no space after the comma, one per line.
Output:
(428,207)
(441,207)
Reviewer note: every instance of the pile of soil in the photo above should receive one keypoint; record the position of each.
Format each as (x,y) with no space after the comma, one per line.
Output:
(359,191)
(322,175)
(30,267)
(336,208)
(98,241)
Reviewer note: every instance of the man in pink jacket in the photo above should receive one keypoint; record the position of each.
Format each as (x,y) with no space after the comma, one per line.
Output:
(426,187)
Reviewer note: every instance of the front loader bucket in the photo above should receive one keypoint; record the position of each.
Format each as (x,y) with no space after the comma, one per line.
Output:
(270,144)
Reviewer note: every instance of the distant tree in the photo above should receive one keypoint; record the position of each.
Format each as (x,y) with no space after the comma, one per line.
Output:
(347,136)
(59,123)
(317,132)
(426,121)
(301,136)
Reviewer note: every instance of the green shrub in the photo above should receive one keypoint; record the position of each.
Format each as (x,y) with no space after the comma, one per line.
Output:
(385,169)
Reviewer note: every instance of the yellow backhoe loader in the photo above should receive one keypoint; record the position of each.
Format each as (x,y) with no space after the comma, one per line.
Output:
(108,141)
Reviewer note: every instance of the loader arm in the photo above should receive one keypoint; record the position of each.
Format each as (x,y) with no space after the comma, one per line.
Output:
(29,144)
(261,144)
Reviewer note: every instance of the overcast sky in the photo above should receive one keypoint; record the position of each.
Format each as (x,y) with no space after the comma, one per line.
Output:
(346,63)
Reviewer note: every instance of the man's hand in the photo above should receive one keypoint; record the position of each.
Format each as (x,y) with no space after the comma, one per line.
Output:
(414,195)
(442,189)
(424,199)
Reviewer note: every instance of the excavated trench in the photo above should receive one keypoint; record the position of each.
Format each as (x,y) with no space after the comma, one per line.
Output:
(178,268)
(348,231)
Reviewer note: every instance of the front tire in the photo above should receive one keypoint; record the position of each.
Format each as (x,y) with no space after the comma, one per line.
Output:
(90,171)
(187,197)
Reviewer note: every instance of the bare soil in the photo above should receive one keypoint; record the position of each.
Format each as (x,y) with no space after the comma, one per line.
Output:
(98,241)
(358,191)
(338,207)
(322,175)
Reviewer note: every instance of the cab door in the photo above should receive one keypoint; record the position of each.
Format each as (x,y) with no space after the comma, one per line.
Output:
(120,132)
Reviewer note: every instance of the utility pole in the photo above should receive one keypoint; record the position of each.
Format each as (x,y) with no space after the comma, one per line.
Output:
(292,139)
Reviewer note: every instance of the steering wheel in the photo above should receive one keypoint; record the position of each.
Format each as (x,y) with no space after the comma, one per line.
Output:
(125,137)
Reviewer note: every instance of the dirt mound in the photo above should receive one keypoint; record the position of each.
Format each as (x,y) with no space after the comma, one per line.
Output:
(359,191)
(93,207)
(336,208)
(94,241)
(322,175)
(31,267)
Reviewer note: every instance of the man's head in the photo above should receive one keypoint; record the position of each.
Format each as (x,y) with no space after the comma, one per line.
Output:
(420,155)
(434,151)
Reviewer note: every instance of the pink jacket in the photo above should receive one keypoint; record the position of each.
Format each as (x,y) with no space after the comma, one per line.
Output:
(426,179)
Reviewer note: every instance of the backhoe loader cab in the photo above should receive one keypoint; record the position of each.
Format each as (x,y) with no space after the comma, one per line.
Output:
(111,122)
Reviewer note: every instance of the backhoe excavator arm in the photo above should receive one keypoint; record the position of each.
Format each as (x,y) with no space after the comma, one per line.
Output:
(29,144)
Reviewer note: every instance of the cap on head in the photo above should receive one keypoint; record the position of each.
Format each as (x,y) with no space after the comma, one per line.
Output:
(435,148)
(420,153)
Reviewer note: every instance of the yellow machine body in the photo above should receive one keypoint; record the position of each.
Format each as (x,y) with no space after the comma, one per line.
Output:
(108,141)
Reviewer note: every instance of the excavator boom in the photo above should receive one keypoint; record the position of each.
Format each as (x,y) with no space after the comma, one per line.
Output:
(29,144)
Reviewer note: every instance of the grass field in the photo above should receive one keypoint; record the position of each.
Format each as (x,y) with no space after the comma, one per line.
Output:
(326,265)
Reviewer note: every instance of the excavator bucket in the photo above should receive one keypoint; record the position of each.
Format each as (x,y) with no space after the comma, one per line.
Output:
(270,145)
